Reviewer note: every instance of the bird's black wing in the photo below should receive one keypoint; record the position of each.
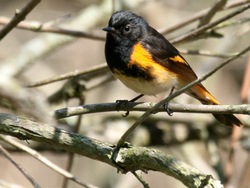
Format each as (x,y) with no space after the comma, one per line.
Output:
(167,55)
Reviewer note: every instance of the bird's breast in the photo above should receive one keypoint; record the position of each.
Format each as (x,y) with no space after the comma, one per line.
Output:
(143,74)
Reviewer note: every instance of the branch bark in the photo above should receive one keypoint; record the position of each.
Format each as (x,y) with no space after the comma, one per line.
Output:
(142,107)
(126,159)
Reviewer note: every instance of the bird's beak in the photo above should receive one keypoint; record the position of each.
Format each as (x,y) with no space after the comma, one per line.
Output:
(108,29)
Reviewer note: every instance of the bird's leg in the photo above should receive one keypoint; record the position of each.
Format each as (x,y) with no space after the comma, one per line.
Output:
(170,113)
(136,98)
(119,102)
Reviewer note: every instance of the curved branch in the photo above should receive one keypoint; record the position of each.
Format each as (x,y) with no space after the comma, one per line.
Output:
(128,159)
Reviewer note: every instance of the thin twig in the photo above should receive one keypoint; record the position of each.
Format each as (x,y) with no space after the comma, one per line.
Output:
(213,10)
(18,166)
(19,16)
(200,30)
(175,94)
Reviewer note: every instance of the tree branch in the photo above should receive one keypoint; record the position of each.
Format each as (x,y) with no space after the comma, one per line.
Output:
(142,107)
(128,159)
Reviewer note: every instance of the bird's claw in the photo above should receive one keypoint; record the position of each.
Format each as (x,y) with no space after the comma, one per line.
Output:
(119,103)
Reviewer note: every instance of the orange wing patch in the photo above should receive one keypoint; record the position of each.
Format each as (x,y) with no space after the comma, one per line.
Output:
(178,59)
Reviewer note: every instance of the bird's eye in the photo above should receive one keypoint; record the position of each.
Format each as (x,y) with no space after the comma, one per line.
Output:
(127,29)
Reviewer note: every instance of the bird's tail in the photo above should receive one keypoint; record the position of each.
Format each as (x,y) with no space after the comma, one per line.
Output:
(200,93)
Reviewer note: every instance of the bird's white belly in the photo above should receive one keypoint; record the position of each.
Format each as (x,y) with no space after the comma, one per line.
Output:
(162,82)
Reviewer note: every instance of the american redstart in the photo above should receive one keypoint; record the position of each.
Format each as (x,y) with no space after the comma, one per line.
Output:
(146,62)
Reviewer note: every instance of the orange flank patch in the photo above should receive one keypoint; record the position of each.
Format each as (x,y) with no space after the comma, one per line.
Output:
(178,59)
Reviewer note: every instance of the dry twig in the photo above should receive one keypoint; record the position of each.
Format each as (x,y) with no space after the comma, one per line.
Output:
(19,16)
